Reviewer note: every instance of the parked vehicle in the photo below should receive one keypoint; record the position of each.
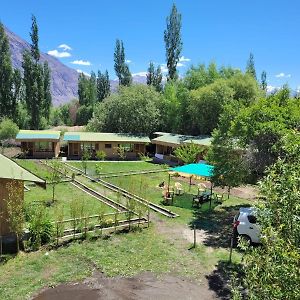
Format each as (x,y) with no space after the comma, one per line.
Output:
(245,225)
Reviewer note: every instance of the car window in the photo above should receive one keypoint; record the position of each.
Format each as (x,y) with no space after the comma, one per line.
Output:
(252,219)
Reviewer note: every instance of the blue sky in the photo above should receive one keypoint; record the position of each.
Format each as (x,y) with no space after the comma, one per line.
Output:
(216,30)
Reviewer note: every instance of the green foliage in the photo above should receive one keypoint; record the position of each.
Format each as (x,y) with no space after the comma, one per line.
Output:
(55,175)
(85,156)
(121,152)
(101,155)
(121,68)
(10,80)
(264,83)
(40,227)
(250,68)
(206,105)
(189,152)
(87,89)
(103,86)
(36,81)
(15,208)
(84,114)
(272,270)
(201,75)
(8,130)
(154,77)
(132,110)
(173,42)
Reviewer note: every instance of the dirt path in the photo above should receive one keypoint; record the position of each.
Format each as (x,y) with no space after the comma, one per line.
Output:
(145,286)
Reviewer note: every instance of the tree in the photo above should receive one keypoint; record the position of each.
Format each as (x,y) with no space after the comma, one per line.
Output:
(250,68)
(133,110)
(9,80)
(36,79)
(55,176)
(85,156)
(264,81)
(84,114)
(8,130)
(154,77)
(103,86)
(121,68)
(206,106)
(271,271)
(173,43)
(15,208)
(189,152)
(87,89)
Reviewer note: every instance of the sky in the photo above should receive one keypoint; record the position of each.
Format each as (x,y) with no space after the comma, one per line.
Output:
(82,34)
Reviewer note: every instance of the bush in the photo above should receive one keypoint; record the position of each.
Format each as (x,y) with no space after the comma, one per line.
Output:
(101,155)
(40,227)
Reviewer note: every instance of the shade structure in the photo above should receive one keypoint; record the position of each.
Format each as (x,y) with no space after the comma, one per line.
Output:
(201,170)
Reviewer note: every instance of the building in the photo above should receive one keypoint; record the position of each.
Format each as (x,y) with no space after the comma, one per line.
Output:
(166,143)
(107,142)
(39,143)
(12,178)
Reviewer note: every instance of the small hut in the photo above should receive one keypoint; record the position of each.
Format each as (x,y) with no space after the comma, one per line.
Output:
(12,177)
(39,143)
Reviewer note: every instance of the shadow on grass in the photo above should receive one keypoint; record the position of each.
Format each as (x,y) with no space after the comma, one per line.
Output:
(217,222)
(220,279)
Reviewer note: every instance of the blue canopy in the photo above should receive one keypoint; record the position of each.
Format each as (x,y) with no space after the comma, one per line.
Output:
(201,169)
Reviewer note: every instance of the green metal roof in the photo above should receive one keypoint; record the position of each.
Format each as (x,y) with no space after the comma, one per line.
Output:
(178,139)
(104,137)
(11,170)
(38,135)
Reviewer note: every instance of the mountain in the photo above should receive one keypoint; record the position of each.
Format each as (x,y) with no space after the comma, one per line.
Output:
(64,80)
(64,83)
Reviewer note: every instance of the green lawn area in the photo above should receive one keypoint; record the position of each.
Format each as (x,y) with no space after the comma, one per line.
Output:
(34,167)
(115,167)
(126,255)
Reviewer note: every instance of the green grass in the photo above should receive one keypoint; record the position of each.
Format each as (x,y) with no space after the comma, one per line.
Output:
(64,194)
(115,167)
(123,254)
(34,167)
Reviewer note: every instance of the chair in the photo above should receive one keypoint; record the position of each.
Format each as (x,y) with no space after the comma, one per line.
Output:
(219,198)
(178,188)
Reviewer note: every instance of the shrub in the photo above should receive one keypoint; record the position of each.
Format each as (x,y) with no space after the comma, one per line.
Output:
(101,155)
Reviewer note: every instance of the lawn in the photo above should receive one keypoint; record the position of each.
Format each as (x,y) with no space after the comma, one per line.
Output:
(115,167)
(125,255)
(159,249)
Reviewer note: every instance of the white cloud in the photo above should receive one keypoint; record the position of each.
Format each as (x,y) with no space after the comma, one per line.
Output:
(85,73)
(271,89)
(128,61)
(283,75)
(81,62)
(143,74)
(164,68)
(58,54)
(184,59)
(65,47)
(179,65)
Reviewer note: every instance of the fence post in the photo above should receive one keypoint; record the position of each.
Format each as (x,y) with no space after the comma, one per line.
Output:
(195,236)
(57,234)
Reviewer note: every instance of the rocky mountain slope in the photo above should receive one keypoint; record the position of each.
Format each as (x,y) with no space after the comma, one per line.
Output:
(64,83)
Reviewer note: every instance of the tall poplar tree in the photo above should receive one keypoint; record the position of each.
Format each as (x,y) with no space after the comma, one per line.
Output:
(264,81)
(154,77)
(36,81)
(250,68)
(7,100)
(173,42)
(121,68)
(103,86)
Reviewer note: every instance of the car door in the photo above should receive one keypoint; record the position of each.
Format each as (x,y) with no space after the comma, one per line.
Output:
(253,229)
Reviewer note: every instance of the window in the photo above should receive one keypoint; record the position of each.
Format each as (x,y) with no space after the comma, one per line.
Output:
(252,219)
(107,146)
(43,146)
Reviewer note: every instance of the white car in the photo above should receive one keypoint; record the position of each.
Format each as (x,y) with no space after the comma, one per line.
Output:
(245,225)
